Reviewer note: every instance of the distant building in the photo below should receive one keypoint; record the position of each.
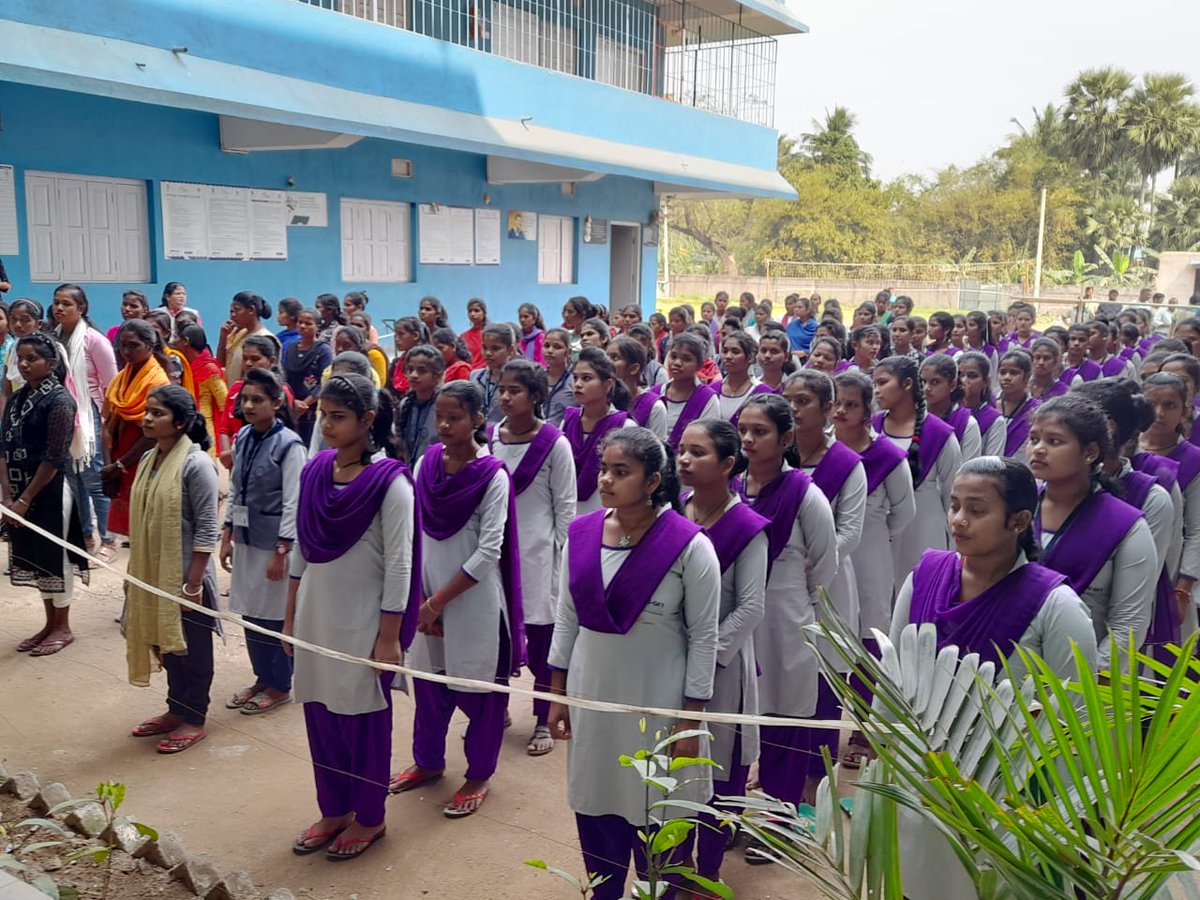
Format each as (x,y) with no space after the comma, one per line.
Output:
(300,146)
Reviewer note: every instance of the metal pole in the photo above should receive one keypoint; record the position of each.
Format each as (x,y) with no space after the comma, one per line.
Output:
(666,244)
(1037,269)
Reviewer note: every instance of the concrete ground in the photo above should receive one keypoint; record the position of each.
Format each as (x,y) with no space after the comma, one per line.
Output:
(243,794)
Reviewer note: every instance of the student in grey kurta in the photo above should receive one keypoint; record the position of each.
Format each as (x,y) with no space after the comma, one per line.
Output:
(600,407)
(499,346)
(1101,544)
(471,624)
(802,549)
(933,456)
(838,472)
(539,460)
(260,528)
(637,623)
(352,589)
(710,455)
(992,507)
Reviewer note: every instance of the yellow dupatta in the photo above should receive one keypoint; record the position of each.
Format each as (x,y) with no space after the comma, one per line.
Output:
(127,393)
(154,626)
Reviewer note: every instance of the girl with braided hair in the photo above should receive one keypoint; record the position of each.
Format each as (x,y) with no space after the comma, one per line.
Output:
(932,451)
(943,398)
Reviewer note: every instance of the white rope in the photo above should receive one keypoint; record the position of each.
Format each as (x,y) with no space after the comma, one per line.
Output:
(468,683)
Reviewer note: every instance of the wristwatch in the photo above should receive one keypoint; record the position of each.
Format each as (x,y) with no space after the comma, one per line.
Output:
(282,549)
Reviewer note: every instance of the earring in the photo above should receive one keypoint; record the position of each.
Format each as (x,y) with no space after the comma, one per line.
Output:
(650,500)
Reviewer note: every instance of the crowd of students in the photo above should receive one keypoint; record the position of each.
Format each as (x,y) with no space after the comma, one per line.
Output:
(637,513)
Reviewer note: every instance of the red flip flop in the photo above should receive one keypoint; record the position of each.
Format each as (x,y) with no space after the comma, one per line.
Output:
(333,856)
(301,847)
(153,727)
(402,782)
(178,745)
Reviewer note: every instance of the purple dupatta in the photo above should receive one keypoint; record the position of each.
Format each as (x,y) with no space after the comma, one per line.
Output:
(447,503)
(1163,625)
(934,434)
(733,531)
(692,407)
(986,416)
(1113,366)
(1088,539)
(331,519)
(958,418)
(988,624)
(586,449)
(1018,426)
(778,502)
(640,412)
(879,460)
(1088,370)
(615,609)
(834,468)
(535,456)
(1188,456)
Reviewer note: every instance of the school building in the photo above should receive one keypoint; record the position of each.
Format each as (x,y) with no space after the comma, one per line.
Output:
(514,150)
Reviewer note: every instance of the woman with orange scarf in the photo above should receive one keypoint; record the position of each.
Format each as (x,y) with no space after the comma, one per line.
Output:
(124,408)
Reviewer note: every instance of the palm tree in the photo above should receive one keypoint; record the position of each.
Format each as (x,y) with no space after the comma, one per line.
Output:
(1178,218)
(833,143)
(1113,222)
(1162,123)
(1094,117)
(1046,131)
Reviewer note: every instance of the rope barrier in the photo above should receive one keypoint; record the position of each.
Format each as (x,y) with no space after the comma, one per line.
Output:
(473,684)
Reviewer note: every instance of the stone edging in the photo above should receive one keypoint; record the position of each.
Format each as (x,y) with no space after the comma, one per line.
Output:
(197,872)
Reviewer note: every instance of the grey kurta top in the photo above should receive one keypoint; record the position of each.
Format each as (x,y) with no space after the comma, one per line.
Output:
(788,684)
(1121,596)
(339,605)
(735,689)
(849,508)
(667,656)
(994,439)
(472,620)
(931,871)
(250,592)
(544,511)
(890,509)
(929,530)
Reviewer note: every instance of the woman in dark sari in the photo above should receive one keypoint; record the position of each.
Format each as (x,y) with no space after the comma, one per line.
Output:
(35,450)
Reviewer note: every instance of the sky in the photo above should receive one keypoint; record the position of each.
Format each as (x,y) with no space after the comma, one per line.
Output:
(935,83)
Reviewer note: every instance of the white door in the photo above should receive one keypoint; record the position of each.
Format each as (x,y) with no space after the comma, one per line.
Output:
(625,266)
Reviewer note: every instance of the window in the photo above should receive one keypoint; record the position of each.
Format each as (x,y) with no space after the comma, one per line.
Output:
(526,37)
(86,228)
(619,64)
(556,250)
(376,241)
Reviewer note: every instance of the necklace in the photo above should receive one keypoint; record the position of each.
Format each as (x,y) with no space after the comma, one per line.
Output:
(701,519)
(627,535)
(338,468)
(528,430)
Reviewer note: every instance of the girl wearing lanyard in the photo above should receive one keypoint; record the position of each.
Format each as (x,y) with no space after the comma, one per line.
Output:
(416,425)
(974,376)
(1047,381)
(557,350)
(543,476)
(498,344)
(775,359)
(260,527)
(1102,544)
(686,399)
(601,400)
(738,352)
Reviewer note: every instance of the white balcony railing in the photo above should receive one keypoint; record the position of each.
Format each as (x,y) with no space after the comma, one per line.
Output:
(668,49)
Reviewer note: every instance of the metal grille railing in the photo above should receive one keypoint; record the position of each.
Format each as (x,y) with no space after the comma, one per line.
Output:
(667,48)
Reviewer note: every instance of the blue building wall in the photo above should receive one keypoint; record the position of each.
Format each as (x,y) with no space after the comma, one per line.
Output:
(63,132)
(301,41)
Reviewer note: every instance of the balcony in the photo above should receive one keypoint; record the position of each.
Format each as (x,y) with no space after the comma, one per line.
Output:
(671,49)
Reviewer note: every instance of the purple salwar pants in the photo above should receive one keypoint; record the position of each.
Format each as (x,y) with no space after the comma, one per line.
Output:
(710,839)
(783,762)
(828,707)
(352,756)
(435,705)
(607,842)
(866,691)
(537,648)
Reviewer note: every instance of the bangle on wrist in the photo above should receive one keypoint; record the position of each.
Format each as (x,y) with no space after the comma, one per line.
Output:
(187,593)
(21,500)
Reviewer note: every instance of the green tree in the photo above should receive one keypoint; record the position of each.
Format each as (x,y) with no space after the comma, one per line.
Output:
(1178,216)
(1162,123)
(1094,117)
(1113,223)
(832,143)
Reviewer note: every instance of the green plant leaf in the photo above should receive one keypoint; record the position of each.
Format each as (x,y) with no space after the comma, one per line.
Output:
(714,888)
(40,845)
(45,824)
(46,885)
(679,762)
(145,830)
(671,835)
(10,862)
